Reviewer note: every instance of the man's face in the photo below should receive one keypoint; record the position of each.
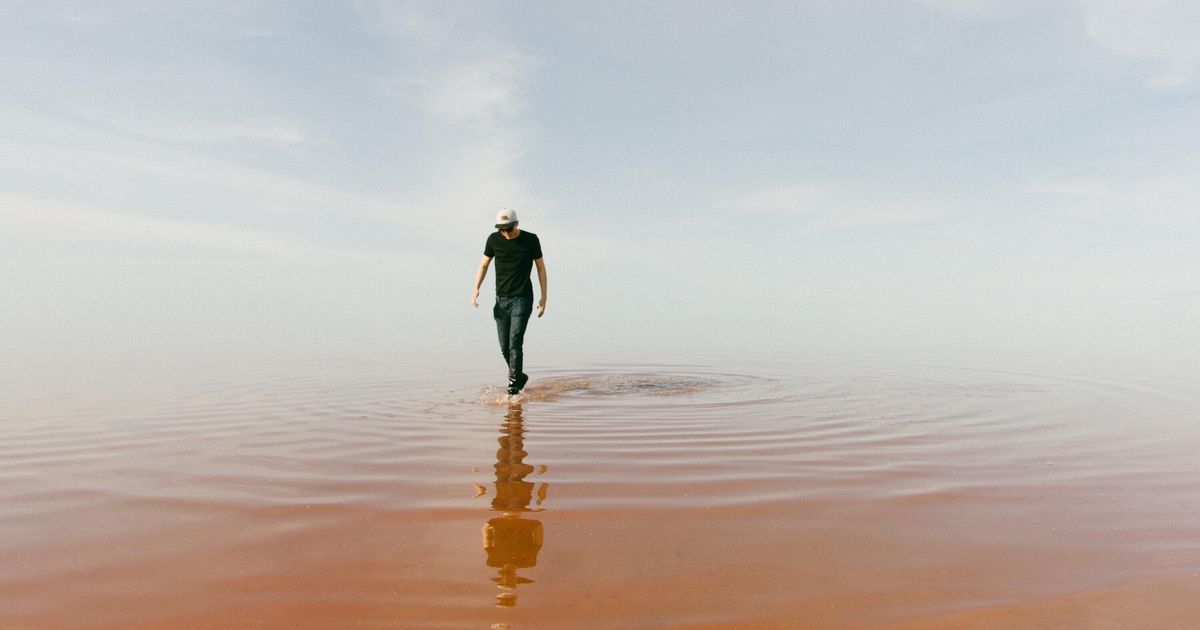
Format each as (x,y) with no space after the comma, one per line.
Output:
(508,230)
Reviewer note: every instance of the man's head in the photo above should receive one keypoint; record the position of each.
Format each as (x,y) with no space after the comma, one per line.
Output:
(506,220)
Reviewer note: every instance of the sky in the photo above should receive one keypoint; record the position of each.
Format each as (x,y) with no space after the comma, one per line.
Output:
(227,182)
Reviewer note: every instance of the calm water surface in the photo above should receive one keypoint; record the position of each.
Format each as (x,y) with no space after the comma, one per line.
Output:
(752,494)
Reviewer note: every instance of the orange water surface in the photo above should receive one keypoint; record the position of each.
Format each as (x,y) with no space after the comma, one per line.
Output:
(768,494)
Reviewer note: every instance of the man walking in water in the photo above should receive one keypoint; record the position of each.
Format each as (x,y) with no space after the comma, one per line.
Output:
(516,252)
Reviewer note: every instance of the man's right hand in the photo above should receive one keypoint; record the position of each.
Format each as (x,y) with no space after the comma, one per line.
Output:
(475,298)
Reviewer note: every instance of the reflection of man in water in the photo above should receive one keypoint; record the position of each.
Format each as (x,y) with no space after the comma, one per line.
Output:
(516,252)
(513,542)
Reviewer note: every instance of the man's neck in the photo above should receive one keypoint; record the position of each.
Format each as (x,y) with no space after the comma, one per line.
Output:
(511,234)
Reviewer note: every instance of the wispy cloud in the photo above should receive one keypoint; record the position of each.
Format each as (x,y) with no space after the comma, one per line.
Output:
(1169,197)
(139,167)
(34,220)
(470,102)
(1162,31)
(476,103)
(203,131)
(830,208)
(91,162)
(971,9)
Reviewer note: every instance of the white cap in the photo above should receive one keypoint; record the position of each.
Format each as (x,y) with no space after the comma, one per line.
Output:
(506,217)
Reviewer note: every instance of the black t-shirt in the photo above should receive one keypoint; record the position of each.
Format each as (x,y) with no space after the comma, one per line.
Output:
(514,260)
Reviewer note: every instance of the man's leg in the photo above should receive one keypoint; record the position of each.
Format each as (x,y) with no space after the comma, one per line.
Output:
(503,325)
(519,314)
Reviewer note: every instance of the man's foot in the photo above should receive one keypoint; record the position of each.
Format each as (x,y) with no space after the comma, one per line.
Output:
(519,384)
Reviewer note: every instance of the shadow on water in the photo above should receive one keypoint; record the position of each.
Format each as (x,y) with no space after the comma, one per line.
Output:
(513,539)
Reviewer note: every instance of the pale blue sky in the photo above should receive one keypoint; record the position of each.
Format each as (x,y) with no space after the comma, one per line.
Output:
(228,181)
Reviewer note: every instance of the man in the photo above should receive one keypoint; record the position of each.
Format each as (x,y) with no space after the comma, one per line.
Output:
(516,252)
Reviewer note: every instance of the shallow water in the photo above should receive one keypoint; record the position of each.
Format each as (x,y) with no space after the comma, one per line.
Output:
(765,494)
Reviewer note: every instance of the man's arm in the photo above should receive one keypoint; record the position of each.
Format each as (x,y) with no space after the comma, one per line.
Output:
(479,276)
(541,267)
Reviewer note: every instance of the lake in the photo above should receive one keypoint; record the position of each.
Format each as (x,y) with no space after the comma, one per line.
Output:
(713,493)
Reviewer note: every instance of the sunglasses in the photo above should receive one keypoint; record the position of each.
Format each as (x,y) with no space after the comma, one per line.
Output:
(506,228)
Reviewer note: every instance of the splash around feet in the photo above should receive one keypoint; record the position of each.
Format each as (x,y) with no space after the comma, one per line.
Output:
(587,385)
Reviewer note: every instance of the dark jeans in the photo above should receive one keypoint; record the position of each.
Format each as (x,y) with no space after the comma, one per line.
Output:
(512,316)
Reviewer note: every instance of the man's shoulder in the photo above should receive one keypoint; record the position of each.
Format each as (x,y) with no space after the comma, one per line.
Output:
(531,236)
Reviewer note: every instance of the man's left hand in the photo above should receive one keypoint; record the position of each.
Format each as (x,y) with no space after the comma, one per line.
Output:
(541,306)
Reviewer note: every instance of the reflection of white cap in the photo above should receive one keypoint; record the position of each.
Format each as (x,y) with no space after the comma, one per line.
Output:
(506,217)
